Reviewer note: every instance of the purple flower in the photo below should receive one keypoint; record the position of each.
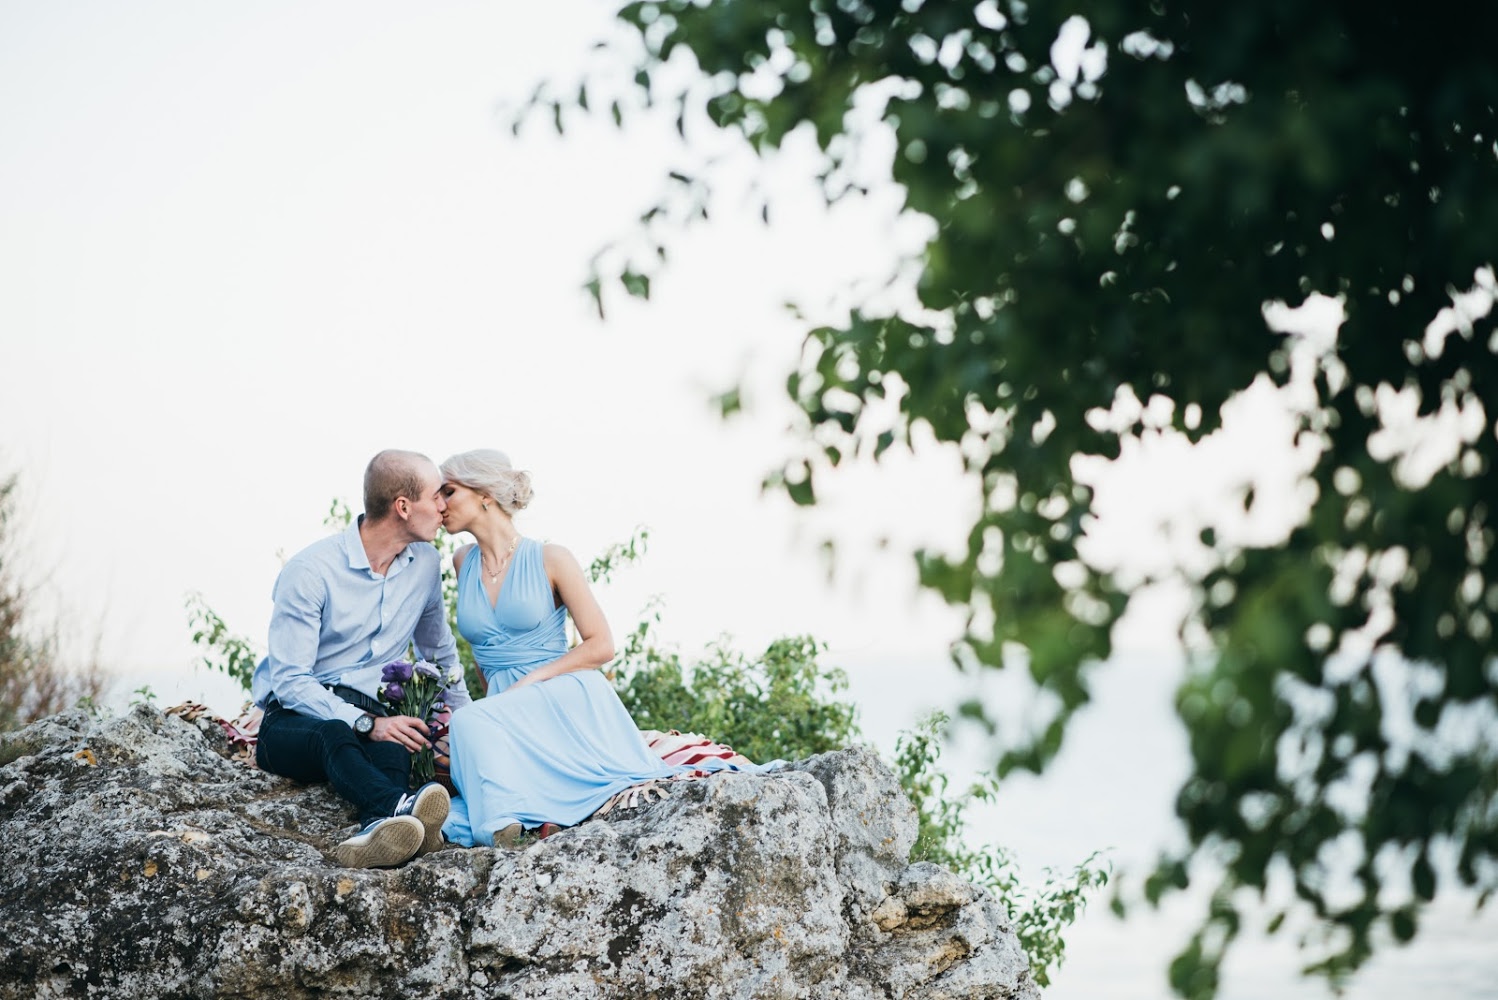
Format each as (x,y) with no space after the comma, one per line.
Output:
(428,670)
(394,693)
(400,670)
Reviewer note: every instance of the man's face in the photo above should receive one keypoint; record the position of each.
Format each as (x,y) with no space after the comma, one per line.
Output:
(426,510)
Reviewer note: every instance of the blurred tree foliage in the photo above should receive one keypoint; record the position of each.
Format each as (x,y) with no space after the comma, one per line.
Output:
(1108,226)
(34,679)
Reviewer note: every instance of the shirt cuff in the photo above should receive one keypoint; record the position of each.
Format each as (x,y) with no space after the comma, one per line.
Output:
(348,713)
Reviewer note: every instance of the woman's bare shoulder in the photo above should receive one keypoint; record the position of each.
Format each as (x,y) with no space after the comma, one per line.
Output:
(559,560)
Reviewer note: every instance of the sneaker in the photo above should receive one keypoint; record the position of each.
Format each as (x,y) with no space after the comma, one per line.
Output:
(429,803)
(384,843)
(509,837)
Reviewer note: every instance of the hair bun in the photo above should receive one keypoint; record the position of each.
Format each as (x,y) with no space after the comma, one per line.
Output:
(520,490)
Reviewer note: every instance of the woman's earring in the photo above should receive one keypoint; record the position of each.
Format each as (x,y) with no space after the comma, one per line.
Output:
(486,505)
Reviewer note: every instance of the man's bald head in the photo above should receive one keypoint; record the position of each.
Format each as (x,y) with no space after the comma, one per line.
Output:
(391,474)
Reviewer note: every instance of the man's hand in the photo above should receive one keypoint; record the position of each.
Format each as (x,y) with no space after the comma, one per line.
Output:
(407,730)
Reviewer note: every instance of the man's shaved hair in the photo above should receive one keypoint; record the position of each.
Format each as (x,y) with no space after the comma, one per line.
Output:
(392,473)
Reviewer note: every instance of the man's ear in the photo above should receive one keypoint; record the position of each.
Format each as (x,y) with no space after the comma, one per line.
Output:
(403,508)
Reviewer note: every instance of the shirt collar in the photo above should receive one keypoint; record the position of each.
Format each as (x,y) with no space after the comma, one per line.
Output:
(358,559)
(353,546)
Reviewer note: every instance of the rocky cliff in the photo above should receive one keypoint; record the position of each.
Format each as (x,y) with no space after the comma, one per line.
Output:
(139,861)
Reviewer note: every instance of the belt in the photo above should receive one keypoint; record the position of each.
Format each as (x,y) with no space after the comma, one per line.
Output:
(353,696)
(358,699)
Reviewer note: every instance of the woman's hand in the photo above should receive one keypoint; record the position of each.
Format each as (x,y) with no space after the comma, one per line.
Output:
(529,678)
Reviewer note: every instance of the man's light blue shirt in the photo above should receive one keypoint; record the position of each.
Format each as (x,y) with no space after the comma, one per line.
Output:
(336,621)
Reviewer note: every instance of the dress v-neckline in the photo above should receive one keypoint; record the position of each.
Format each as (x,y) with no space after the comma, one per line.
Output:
(504,582)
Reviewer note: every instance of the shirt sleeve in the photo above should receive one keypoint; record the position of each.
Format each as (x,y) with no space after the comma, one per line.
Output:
(295,626)
(435,643)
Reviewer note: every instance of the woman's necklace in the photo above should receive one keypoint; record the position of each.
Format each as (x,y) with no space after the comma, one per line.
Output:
(499,570)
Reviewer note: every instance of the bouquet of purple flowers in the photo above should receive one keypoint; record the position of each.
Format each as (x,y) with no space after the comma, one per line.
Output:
(415,689)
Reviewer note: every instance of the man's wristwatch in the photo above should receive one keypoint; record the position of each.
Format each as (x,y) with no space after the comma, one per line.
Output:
(364,724)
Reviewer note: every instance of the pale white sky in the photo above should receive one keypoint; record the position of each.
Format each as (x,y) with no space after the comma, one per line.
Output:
(244,247)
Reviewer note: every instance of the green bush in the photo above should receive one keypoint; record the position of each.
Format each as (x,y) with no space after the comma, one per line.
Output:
(782,704)
(1039,913)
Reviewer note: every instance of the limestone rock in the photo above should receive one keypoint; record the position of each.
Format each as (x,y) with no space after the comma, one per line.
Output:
(140,862)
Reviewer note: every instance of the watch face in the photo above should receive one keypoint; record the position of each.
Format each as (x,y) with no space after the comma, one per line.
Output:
(363,725)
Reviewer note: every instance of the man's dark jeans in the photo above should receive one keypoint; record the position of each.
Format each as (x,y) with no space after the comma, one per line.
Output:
(369,773)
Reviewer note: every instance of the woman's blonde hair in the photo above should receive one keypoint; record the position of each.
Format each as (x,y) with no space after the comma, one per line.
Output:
(489,472)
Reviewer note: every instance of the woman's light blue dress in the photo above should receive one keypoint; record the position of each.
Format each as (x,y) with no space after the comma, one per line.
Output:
(553,751)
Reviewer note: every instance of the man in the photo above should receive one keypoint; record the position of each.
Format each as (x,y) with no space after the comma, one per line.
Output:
(344,608)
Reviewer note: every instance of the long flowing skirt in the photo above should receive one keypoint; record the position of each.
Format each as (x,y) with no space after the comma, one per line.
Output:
(550,752)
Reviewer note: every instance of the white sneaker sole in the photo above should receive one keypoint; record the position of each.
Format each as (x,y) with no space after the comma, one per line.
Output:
(431,808)
(394,842)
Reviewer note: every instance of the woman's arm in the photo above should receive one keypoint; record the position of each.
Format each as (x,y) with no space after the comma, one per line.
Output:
(597,646)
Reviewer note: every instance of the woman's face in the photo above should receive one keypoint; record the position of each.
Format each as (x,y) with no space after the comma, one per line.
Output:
(464,507)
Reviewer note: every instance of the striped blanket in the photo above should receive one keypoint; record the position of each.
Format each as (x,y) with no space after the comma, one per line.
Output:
(691,748)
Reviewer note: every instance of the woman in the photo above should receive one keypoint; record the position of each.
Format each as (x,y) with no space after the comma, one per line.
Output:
(552,742)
